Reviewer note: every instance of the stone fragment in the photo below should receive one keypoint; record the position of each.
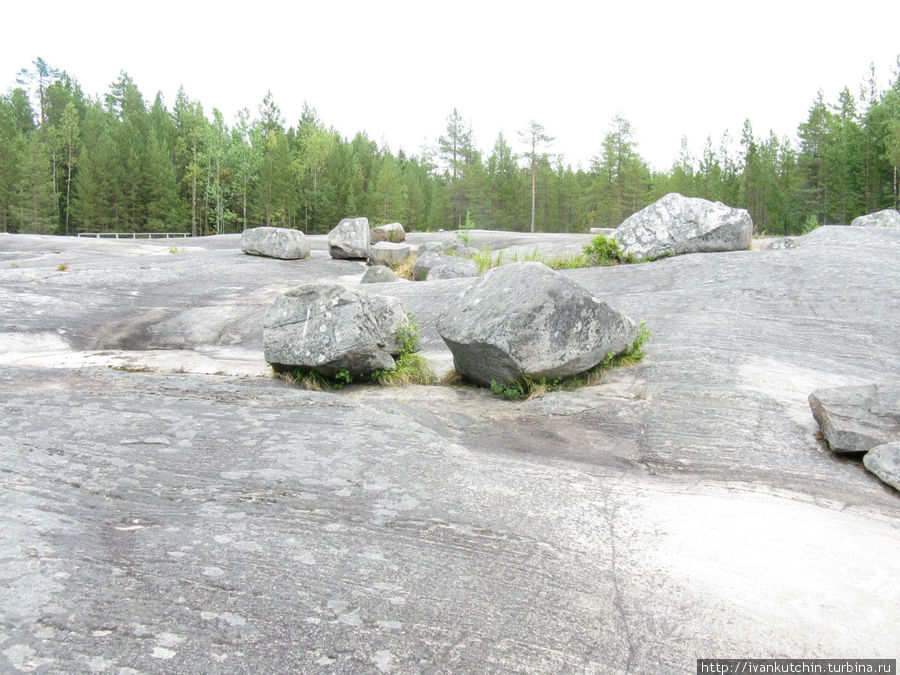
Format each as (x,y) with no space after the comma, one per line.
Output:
(525,320)
(329,327)
(676,224)
(857,418)
(391,232)
(884,462)
(350,239)
(275,242)
(378,274)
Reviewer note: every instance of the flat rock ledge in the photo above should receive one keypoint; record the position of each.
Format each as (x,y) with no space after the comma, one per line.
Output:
(275,242)
(525,320)
(676,224)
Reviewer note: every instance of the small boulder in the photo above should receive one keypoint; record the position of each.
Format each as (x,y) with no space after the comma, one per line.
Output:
(275,242)
(884,462)
(329,327)
(387,253)
(379,274)
(886,218)
(350,239)
(448,247)
(391,232)
(857,418)
(433,266)
(676,224)
(525,320)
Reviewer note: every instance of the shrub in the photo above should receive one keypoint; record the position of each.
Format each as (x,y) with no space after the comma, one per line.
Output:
(604,251)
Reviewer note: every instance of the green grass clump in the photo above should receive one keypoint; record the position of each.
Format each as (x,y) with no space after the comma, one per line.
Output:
(605,251)
(62,267)
(527,388)
(409,368)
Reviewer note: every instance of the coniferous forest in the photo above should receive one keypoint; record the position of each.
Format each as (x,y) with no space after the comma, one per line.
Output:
(71,163)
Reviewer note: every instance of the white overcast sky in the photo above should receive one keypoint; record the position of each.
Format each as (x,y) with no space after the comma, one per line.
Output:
(397,69)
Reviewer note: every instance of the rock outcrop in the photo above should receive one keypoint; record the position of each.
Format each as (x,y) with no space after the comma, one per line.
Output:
(350,239)
(275,242)
(525,320)
(379,274)
(328,328)
(857,418)
(886,218)
(676,224)
(391,232)
(431,266)
(387,253)
(448,247)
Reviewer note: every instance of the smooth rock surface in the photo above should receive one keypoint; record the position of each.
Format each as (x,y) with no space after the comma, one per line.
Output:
(158,518)
(275,242)
(525,320)
(379,274)
(391,232)
(884,462)
(885,218)
(856,419)
(676,224)
(330,328)
(350,239)
(388,253)
(431,266)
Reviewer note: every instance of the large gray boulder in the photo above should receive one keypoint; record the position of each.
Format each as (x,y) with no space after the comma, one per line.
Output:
(432,266)
(391,232)
(329,327)
(388,253)
(886,218)
(676,224)
(857,418)
(275,242)
(525,320)
(350,239)
(884,462)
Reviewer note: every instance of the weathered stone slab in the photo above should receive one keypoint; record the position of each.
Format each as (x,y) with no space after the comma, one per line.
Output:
(388,253)
(525,320)
(676,224)
(856,419)
(275,242)
(432,266)
(884,462)
(885,218)
(391,232)
(350,239)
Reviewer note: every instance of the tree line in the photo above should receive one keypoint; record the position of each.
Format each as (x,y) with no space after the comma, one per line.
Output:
(70,163)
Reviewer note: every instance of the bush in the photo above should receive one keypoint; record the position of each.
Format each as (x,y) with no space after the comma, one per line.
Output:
(605,251)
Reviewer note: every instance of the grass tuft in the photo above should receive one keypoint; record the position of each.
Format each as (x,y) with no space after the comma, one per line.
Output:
(527,388)
(62,267)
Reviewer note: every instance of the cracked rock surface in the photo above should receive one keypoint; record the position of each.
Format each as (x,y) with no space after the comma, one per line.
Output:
(166,506)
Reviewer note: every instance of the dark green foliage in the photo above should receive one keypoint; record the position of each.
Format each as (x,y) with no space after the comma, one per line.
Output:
(604,251)
(69,162)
